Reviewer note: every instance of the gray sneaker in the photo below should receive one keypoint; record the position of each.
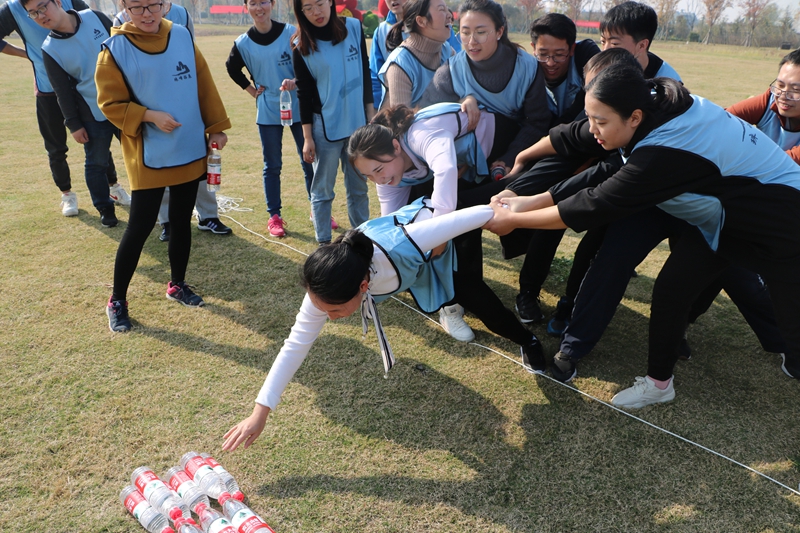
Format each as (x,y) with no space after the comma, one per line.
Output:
(644,392)
(564,368)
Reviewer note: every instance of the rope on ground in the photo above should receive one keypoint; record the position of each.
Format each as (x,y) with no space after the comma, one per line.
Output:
(518,362)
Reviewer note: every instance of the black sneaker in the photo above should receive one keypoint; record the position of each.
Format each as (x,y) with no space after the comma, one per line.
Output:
(790,367)
(533,357)
(181,292)
(564,368)
(528,308)
(164,237)
(108,218)
(214,226)
(118,320)
(560,320)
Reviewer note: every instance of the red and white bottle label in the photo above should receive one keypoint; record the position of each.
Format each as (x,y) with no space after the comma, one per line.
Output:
(147,482)
(136,504)
(246,521)
(197,466)
(286,114)
(220,525)
(180,482)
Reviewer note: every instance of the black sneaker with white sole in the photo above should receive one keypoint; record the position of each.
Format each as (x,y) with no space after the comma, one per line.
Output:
(214,226)
(533,357)
(164,237)
(108,218)
(564,368)
(118,319)
(528,308)
(183,293)
(790,366)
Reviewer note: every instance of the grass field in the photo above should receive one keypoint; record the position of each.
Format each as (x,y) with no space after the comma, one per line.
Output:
(470,443)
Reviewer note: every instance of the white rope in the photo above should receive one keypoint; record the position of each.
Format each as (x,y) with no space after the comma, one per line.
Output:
(566,385)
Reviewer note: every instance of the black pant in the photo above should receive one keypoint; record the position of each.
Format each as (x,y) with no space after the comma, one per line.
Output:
(144,211)
(54,133)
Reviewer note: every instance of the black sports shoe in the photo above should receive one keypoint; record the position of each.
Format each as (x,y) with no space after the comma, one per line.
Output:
(533,357)
(164,237)
(528,308)
(118,320)
(564,368)
(560,320)
(108,218)
(181,292)
(790,367)
(214,226)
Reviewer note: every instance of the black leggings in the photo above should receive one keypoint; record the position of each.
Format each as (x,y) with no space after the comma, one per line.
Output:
(144,211)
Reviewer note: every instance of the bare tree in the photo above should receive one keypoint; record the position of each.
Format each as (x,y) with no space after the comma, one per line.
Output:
(714,9)
(752,10)
(573,8)
(608,4)
(665,9)
(530,7)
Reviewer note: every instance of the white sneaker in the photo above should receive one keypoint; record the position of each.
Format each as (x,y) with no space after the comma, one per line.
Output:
(644,392)
(118,194)
(69,204)
(451,318)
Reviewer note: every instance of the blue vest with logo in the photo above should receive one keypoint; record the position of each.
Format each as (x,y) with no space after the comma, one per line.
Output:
(770,124)
(735,147)
(340,82)
(34,36)
(77,55)
(468,150)
(165,82)
(561,97)
(511,100)
(419,74)
(430,281)
(269,66)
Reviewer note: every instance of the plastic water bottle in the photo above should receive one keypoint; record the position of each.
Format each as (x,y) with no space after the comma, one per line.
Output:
(202,474)
(187,525)
(187,489)
(286,108)
(212,521)
(242,518)
(226,476)
(498,173)
(214,169)
(136,504)
(158,494)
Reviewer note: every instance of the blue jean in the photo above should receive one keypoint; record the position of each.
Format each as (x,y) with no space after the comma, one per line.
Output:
(272,147)
(326,165)
(98,161)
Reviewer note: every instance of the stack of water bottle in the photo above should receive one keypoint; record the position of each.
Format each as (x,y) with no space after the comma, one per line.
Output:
(188,488)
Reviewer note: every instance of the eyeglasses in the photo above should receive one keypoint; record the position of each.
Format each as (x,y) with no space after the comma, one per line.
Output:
(558,58)
(317,5)
(36,13)
(139,10)
(479,36)
(792,96)
(259,4)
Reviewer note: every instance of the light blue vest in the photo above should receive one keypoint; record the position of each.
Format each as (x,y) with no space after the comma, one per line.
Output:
(380,33)
(77,55)
(468,150)
(340,83)
(419,74)
(735,147)
(666,71)
(511,100)
(561,97)
(34,36)
(430,281)
(770,124)
(165,82)
(269,66)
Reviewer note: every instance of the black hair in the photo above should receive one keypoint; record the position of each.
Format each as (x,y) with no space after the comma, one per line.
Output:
(411,10)
(554,24)
(494,11)
(334,272)
(638,20)
(792,58)
(606,58)
(623,88)
(374,140)
(304,40)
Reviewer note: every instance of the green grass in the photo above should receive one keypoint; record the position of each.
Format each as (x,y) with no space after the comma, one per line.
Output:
(470,443)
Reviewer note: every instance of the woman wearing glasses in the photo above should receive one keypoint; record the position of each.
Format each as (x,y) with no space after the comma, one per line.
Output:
(159,151)
(499,76)
(265,51)
(332,69)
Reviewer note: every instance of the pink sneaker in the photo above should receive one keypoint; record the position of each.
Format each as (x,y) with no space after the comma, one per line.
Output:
(275,226)
(334,225)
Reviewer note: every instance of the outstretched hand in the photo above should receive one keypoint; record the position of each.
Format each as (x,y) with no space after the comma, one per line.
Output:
(247,431)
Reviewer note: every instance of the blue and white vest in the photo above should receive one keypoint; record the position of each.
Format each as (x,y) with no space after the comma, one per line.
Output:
(666,71)
(468,149)
(419,74)
(735,147)
(269,66)
(770,124)
(511,100)
(340,83)
(561,97)
(77,55)
(164,82)
(430,281)
(34,36)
